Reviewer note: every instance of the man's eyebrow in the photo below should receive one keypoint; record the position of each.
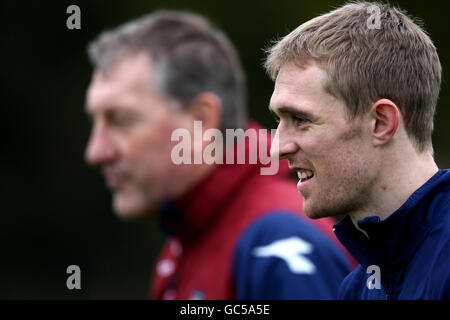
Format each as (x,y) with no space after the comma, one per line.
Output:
(106,109)
(293,111)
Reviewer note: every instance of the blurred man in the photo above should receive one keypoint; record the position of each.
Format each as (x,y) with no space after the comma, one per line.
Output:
(355,100)
(235,233)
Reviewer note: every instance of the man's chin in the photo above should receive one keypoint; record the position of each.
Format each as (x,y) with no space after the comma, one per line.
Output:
(131,209)
(314,213)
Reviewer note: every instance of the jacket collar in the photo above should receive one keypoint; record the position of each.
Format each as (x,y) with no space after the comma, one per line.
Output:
(394,240)
(192,213)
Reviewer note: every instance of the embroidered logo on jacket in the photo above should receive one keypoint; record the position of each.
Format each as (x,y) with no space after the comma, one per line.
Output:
(292,251)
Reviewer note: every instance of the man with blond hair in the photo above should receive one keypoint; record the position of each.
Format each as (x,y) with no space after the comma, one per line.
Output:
(355,95)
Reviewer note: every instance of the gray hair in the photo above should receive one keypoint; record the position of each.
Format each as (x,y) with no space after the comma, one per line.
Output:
(397,61)
(190,57)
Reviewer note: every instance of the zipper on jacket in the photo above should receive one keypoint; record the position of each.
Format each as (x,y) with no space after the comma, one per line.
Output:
(388,287)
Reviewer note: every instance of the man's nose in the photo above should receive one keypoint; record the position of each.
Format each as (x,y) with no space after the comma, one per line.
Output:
(282,145)
(100,148)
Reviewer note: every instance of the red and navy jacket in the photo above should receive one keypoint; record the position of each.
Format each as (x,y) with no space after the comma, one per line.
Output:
(241,235)
(407,255)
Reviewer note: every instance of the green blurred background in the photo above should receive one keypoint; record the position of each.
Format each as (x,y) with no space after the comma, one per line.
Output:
(55,210)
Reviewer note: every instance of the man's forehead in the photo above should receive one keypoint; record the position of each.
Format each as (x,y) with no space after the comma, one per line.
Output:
(300,92)
(101,96)
(115,85)
(130,70)
(301,76)
(294,81)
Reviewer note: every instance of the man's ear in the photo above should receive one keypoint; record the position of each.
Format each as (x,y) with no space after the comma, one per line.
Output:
(207,107)
(385,117)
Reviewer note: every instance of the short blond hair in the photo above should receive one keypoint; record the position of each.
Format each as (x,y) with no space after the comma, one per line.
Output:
(397,61)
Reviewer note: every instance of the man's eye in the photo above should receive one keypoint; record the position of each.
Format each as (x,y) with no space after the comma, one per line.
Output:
(122,120)
(299,121)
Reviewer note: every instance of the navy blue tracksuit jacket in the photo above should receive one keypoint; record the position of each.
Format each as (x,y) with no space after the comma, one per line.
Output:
(407,255)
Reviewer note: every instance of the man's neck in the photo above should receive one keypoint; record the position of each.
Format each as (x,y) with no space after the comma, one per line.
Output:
(396,185)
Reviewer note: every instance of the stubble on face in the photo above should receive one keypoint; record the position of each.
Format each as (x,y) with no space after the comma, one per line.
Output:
(345,187)
(336,147)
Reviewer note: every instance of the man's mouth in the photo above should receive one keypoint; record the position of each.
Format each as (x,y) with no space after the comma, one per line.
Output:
(114,179)
(304,174)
